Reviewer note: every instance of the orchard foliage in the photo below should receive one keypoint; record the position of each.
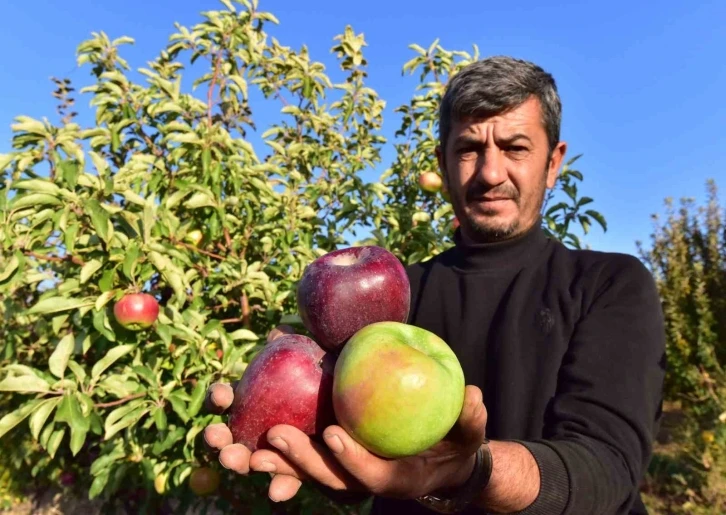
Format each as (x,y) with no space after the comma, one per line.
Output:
(90,212)
(687,256)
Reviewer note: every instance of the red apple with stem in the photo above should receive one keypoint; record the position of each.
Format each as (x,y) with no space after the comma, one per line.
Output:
(289,382)
(136,311)
(348,289)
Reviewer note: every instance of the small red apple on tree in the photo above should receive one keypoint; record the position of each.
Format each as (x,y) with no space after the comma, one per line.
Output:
(136,311)
(204,481)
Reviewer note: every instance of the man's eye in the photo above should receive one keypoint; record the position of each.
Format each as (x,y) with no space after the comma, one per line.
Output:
(516,148)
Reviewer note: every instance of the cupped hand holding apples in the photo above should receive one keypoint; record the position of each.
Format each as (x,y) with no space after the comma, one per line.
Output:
(368,404)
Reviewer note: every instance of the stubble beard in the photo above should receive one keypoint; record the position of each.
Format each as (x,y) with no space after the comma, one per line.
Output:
(489,231)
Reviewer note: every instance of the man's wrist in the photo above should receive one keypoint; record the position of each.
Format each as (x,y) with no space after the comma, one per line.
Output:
(458,477)
(456,494)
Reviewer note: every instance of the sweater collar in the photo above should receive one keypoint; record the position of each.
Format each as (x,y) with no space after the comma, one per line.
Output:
(514,252)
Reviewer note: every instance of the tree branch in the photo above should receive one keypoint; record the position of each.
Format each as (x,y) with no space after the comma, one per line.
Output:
(212,85)
(56,259)
(120,401)
(197,249)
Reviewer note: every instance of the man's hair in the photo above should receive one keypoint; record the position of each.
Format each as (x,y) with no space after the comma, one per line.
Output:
(497,84)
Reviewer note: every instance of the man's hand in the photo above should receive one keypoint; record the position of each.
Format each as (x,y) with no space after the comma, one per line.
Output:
(341,464)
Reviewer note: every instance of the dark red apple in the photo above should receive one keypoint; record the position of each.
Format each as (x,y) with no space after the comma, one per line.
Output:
(348,289)
(136,311)
(289,382)
(67,478)
(204,481)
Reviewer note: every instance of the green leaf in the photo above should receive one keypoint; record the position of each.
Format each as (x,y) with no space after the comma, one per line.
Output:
(130,260)
(102,324)
(58,304)
(107,280)
(206,160)
(198,395)
(78,438)
(69,237)
(164,333)
(54,441)
(90,268)
(24,384)
(11,266)
(243,334)
(34,199)
(173,437)
(69,172)
(200,199)
(58,323)
(149,220)
(599,218)
(179,407)
(41,414)
(103,299)
(70,412)
(38,185)
(99,218)
(62,353)
(583,201)
(123,417)
(12,419)
(77,370)
(109,359)
(99,483)
(159,417)
(170,272)
(179,366)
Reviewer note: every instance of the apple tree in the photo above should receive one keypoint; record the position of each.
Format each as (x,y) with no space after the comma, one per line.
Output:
(168,187)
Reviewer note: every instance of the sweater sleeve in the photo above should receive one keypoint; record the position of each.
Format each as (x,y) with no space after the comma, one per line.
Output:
(600,425)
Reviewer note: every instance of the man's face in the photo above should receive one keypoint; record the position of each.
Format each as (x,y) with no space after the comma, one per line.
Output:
(497,170)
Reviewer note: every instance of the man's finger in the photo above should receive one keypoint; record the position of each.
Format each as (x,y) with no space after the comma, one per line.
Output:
(235,457)
(217,436)
(219,398)
(274,462)
(283,488)
(374,473)
(311,458)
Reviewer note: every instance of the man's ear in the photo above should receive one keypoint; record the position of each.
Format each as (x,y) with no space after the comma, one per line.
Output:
(554,166)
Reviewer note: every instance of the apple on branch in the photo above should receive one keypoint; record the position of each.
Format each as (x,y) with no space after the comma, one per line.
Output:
(136,311)
(347,289)
(430,181)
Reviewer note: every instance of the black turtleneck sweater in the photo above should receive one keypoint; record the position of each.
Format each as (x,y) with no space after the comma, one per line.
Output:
(568,347)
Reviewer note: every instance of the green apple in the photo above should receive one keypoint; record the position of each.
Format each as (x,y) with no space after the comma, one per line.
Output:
(194,237)
(397,389)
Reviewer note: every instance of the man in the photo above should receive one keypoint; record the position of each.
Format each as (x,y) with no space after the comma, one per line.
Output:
(567,346)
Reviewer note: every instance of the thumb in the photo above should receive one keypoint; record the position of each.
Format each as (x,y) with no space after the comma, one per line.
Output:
(470,428)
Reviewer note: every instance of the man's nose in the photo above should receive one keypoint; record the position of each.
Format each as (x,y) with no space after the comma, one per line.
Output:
(490,167)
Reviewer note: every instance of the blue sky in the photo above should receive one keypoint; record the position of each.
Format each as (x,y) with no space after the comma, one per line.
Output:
(643,87)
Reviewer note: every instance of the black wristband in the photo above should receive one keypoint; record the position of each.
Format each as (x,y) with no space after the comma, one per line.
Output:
(457,501)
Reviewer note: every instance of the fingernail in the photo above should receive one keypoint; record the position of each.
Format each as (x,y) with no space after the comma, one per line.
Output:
(267,466)
(279,443)
(335,444)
